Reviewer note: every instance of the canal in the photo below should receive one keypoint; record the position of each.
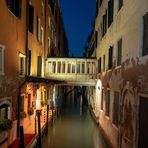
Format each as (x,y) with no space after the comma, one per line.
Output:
(74,128)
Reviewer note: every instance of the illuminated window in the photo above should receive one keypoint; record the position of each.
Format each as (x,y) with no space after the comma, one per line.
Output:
(119,52)
(22,64)
(54,67)
(107,103)
(2,59)
(145,35)
(116,106)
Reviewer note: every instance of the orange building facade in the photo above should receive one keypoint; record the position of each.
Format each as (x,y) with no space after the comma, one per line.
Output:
(30,32)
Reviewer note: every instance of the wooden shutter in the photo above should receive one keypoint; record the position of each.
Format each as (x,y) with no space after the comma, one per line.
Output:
(145,37)
(1,58)
(18,8)
(119,56)
(10,4)
(31,18)
(39,66)
(110,60)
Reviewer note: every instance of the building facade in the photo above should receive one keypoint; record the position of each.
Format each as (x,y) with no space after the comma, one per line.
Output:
(30,32)
(121,93)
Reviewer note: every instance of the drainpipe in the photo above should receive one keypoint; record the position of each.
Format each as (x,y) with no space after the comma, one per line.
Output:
(26,68)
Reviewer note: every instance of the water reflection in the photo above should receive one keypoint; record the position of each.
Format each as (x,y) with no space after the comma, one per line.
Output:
(74,130)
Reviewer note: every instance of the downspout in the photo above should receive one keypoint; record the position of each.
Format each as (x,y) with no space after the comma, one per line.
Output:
(26,68)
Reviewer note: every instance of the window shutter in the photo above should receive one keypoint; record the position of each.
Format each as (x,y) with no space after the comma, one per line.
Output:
(18,8)
(10,4)
(39,66)
(31,18)
(145,37)
(110,60)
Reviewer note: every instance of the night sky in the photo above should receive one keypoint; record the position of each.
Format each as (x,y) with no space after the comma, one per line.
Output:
(77,16)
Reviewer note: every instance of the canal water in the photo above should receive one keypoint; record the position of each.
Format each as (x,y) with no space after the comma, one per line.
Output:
(74,128)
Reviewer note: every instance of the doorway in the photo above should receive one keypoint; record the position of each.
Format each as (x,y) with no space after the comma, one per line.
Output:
(143,122)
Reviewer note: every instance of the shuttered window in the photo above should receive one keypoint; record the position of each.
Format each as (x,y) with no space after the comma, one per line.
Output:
(116,107)
(104,23)
(110,12)
(31,18)
(107,103)
(1,59)
(110,58)
(99,65)
(39,66)
(15,6)
(38,29)
(120,4)
(145,35)
(119,52)
(104,63)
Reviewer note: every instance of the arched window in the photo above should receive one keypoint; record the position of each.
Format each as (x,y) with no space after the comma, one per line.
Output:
(5,110)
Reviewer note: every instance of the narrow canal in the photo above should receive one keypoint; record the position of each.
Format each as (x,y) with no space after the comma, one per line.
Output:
(74,128)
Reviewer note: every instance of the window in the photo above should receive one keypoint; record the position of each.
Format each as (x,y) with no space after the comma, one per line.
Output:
(2,59)
(96,38)
(102,98)
(101,2)
(48,54)
(99,65)
(42,36)
(42,8)
(31,18)
(116,106)
(145,35)
(78,67)
(107,103)
(38,29)
(104,63)
(110,58)
(4,111)
(119,52)
(39,66)
(48,21)
(28,62)
(110,12)
(15,7)
(69,68)
(104,23)
(120,4)
(22,64)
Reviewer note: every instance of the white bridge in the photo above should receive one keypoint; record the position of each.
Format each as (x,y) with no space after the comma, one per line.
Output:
(72,71)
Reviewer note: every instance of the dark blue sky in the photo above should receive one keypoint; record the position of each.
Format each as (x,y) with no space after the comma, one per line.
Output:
(77,15)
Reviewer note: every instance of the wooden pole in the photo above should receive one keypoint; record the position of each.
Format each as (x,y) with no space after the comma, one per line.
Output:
(39,128)
(21,137)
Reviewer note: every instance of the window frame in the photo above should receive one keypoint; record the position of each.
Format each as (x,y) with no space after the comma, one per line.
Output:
(22,56)
(2,47)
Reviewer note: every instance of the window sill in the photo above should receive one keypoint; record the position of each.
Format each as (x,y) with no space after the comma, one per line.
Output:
(22,76)
(115,127)
(118,67)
